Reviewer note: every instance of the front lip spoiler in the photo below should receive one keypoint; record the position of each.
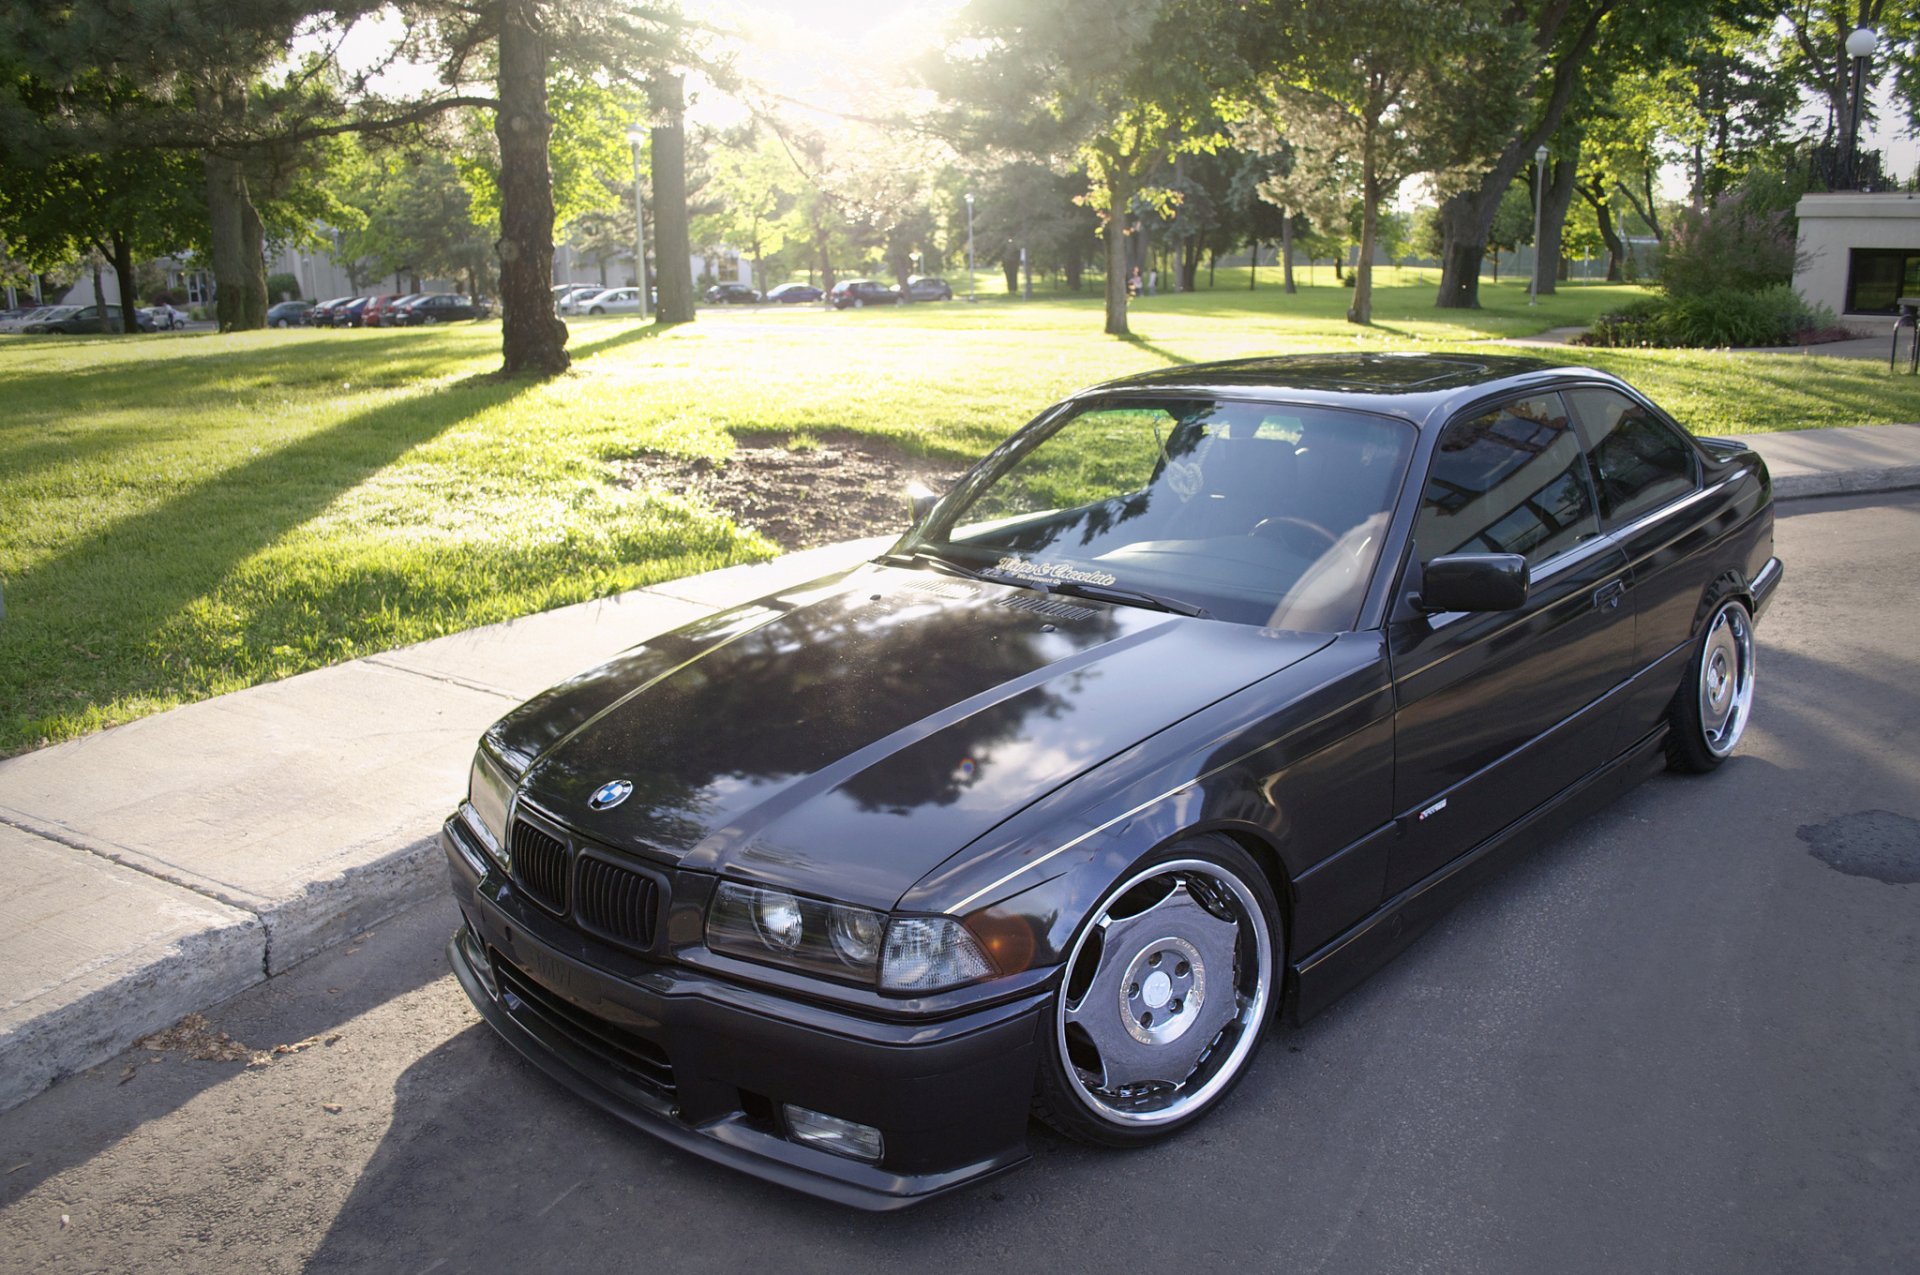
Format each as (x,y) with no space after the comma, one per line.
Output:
(727,1141)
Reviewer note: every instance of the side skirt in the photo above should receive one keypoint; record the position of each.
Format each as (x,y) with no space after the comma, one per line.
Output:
(1323,976)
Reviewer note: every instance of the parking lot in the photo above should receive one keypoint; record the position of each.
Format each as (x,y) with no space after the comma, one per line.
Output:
(1680,1038)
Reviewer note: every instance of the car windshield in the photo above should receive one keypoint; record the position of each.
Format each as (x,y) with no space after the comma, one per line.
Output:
(1259,513)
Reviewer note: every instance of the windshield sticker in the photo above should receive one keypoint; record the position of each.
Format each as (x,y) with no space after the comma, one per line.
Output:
(1048,572)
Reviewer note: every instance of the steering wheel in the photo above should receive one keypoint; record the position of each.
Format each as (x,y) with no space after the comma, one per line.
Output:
(1301,534)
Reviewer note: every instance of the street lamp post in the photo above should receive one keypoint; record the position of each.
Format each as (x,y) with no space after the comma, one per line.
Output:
(1860,46)
(637,135)
(1539,199)
(970,296)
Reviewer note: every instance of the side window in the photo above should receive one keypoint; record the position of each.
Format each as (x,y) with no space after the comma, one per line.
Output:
(1639,462)
(1511,480)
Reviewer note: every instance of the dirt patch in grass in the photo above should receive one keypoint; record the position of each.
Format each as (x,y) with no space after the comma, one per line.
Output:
(816,490)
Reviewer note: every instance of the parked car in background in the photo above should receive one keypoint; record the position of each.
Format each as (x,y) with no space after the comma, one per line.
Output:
(443,307)
(1182,712)
(570,298)
(794,294)
(288,314)
(926,288)
(85,320)
(353,313)
(321,316)
(31,314)
(732,294)
(380,311)
(612,301)
(855,294)
(164,317)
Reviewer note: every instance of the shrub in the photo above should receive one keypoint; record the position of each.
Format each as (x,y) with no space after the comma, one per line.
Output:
(282,287)
(1775,315)
(1744,243)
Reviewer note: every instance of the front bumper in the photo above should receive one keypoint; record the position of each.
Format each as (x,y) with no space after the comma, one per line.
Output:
(708,1064)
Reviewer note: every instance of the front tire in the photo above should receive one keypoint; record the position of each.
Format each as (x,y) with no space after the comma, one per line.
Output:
(1165,997)
(1710,711)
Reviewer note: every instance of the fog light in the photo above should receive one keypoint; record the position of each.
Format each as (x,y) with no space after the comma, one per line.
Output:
(830,1133)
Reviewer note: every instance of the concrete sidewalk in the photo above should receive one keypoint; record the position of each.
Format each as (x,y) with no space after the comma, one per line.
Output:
(159,867)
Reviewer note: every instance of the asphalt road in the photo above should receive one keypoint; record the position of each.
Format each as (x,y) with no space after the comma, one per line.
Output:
(1678,1039)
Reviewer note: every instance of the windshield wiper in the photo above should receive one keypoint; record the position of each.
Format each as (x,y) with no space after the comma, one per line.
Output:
(1126,597)
(918,557)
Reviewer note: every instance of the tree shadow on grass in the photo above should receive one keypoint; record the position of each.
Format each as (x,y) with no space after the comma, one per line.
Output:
(1160,352)
(112,595)
(646,332)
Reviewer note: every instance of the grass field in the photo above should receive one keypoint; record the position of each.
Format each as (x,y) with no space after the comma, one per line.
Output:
(183,516)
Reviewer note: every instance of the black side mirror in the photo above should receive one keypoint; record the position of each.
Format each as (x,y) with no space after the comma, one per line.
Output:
(1475,582)
(920,502)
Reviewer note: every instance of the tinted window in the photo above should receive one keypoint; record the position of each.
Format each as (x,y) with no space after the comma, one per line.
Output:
(1512,480)
(1639,462)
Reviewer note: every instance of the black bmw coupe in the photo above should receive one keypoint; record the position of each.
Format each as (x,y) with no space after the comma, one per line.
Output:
(1187,707)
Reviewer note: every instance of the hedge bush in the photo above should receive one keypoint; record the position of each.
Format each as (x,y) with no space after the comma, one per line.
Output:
(1775,315)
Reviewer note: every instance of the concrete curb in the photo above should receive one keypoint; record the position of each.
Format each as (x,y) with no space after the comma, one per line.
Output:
(1868,482)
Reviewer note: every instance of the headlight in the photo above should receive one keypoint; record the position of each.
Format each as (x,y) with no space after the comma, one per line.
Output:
(902,954)
(489,792)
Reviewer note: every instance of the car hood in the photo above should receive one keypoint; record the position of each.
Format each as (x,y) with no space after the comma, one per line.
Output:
(848,737)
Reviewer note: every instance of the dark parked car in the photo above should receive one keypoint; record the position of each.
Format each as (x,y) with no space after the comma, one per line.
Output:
(384,312)
(925,288)
(86,321)
(794,294)
(443,307)
(352,314)
(321,316)
(856,293)
(1183,710)
(732,294)
(289,314)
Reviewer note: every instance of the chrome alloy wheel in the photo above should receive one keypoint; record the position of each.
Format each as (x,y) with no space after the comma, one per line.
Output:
(1167,991)
(1726,679)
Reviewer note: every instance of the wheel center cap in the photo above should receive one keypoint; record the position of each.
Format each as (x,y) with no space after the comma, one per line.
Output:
(1157,990)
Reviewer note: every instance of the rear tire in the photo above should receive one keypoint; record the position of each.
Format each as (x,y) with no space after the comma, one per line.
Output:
(1709,712)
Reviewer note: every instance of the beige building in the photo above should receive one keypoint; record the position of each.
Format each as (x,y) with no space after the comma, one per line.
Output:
(1859,254)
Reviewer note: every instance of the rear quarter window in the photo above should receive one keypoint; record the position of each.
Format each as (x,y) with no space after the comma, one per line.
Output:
(1639,461)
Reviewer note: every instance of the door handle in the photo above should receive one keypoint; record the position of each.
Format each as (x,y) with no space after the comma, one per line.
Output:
(1607,596)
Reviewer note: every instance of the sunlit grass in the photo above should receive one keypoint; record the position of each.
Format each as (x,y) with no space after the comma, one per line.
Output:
(183,516)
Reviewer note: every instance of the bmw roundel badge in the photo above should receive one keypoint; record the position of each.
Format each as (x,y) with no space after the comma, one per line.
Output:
(610,794)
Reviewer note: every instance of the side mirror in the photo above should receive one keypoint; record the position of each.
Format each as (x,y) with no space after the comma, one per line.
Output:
(920,502)
(1475,582)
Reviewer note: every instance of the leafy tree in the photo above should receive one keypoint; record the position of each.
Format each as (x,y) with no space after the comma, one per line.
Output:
(1026,204)
(1371,92)
(1117,84)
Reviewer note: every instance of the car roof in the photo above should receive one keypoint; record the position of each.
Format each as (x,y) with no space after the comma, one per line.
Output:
(1413,386)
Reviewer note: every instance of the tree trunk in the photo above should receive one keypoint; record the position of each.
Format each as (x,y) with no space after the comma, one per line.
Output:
(672,242)
(820,242)
(1075,269)
(1553,220)
(1595,193)
(1361,310)
(100,293)
(1286,252)
(123,269)
(1253,267)
(1010,267)
(1189,265)
(239,273)
(533,339)
(1119,200)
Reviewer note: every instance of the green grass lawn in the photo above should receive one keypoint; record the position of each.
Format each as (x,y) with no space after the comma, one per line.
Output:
(183,516)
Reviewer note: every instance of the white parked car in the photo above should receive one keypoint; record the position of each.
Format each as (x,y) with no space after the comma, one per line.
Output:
(568,298)
(19,322)
(612,301)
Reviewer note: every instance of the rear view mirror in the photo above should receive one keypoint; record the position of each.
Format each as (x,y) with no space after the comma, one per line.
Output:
(920,502)
(1475,582)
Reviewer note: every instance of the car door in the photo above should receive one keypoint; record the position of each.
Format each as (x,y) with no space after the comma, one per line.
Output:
(1495,712)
